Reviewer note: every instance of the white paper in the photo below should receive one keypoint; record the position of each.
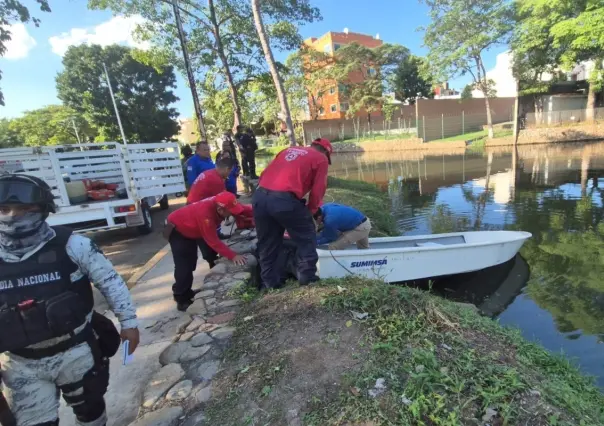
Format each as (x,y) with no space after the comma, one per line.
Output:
(127,358)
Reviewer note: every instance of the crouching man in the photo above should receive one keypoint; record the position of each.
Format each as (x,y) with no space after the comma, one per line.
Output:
(342,226)
(51,340)
(195,226)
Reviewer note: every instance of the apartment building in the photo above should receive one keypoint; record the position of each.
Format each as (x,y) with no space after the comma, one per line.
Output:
(330,102)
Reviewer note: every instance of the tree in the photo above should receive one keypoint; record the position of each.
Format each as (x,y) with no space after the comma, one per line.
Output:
(459,35)
(52,125)
(365,74)
(9,138)
(221,36)
(12,11)
(143,94)
(409,82)
(270,60)
(466,93)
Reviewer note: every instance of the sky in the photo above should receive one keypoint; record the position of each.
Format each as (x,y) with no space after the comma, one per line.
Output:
(33,57)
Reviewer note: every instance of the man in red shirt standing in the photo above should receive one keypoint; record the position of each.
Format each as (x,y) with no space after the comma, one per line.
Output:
(279,206)
(210,182)
(194,226)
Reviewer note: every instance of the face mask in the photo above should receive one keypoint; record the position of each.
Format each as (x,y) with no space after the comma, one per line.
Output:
(21,226)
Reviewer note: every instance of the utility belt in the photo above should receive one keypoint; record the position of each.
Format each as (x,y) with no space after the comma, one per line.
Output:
(34,321)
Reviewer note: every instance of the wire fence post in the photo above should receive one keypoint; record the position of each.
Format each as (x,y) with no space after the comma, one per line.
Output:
(463,122)
(424,125)
(442,126)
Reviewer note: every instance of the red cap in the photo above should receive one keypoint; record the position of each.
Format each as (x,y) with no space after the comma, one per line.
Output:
(326,145)
(228,201)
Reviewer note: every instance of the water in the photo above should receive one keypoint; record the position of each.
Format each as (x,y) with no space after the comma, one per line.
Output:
(554,292)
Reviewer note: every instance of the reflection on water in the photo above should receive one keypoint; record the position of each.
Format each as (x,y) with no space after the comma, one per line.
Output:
(555,192)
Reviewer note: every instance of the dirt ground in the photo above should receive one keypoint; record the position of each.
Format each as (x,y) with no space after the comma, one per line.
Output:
(287,355)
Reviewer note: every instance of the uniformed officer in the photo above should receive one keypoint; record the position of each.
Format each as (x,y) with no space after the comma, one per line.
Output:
(51,340)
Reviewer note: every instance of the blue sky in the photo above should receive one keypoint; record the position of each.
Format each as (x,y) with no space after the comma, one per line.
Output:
(32,62)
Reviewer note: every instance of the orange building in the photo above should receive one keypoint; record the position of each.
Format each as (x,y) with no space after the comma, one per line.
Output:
(331,100)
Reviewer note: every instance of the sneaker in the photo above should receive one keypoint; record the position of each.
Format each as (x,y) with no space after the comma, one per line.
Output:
(309,281)
(183,306)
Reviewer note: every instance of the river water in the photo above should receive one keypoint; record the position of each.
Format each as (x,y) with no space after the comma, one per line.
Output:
(554,291)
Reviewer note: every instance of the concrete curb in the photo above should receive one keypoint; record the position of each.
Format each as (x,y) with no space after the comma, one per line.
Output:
(133,280)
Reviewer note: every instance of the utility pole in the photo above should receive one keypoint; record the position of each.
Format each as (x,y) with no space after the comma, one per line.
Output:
(117,113)
(185,56)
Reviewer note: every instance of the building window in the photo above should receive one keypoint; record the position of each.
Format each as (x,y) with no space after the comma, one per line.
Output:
(342,88)
(321,111)
(336,46)
(333,108)
(344,106)
(327,48)
(332,90)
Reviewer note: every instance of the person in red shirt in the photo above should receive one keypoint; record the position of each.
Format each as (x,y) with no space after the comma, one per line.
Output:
(210,182)
(279,206)
(195,226)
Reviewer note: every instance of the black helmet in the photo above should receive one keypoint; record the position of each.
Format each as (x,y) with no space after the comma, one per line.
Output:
(26,189)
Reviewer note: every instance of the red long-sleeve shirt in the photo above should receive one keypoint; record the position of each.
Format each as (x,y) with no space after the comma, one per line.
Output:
(199,221)
(299,170)
(207,184)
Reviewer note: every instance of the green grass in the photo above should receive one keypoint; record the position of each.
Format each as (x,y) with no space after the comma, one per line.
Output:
(476,136)
(376,138)
(365,197)
(444,364)
(270,151)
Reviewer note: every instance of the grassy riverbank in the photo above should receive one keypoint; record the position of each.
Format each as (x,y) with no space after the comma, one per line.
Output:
(367,198)
(360,352)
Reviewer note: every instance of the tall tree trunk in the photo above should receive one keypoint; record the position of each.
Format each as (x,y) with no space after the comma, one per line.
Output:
(484,84)
(594,88)
(225,65)
(270,60)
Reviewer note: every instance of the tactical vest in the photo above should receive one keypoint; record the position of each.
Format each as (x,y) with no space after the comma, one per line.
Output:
(38,301)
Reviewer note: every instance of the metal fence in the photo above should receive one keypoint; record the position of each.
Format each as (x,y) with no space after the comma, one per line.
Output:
(553,118)
(428,128)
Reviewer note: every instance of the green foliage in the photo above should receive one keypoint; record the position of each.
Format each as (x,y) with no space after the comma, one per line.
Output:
(466,93)
(143,94)
(9,138)
(410,80)
(52,125)
(443,364)
(366,73)
(222,43)
(461,32)
(367,198)
(13,11)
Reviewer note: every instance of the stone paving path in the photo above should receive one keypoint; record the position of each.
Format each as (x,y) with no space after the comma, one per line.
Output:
(176,393)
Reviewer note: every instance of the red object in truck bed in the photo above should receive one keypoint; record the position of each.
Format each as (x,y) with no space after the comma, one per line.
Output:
(101,194)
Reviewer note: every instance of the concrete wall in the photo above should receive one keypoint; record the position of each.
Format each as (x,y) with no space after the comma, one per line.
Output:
(584,132)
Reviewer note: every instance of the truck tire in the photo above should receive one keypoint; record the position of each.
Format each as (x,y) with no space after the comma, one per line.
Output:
(164,203)
(147,227)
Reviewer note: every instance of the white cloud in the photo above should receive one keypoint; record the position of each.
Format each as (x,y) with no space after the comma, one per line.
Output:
(117,30)
(505,84)
(20,43)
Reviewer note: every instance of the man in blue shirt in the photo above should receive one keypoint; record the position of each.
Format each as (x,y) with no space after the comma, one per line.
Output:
(342,226)
(199,163)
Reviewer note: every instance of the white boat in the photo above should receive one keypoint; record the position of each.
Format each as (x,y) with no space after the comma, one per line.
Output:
(395,259)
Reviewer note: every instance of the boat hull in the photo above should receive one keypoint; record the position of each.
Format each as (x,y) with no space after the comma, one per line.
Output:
(397,259)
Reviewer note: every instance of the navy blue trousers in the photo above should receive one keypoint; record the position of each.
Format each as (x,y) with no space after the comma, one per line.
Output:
(274,213)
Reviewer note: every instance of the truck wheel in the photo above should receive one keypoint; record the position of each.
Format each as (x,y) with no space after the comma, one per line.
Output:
(164,203)
(147,227)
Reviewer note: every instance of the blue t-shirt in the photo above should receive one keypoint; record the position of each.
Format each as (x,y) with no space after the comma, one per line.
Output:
(196,166)
(337,218)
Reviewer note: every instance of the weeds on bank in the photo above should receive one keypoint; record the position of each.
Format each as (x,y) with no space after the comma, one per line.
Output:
(443,364)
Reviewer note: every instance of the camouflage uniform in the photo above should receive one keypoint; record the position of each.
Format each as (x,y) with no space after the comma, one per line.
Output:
(32,387)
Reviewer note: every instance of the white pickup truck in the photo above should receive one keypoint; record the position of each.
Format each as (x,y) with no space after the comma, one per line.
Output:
(142,175)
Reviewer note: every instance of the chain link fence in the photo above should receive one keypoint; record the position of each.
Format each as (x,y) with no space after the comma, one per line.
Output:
(556,118)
